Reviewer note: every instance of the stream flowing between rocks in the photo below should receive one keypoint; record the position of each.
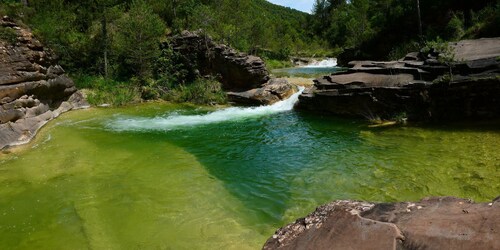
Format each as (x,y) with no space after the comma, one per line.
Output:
(164,176)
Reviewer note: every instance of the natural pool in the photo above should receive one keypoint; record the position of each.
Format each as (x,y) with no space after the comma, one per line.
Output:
(163,176)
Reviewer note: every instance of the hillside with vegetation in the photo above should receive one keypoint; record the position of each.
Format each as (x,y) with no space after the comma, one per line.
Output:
(388,29)
(114,46)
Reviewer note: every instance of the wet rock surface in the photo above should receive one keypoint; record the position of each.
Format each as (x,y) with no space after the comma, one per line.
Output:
(417,86)
(432,223)
(33,88)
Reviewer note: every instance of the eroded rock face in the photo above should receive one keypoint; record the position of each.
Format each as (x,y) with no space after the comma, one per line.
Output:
(432,223)
(274,91)
(33,88)
(237,71)
(411,86)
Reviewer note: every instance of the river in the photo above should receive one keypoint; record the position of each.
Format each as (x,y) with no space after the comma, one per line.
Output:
(165,176)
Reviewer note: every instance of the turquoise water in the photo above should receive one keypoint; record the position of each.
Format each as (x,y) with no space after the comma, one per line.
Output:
(162,176)
(307,72)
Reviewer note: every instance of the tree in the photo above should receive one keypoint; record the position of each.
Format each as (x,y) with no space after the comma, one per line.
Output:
(138,37)
(102,7)
(419,20)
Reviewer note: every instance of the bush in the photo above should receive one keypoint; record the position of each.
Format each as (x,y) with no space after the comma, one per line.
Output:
(202,91)
(442,49)
(101,91)
(455,28)
(278,64)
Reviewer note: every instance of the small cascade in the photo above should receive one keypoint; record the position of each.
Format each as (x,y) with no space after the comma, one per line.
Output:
(328,62)
(175,121)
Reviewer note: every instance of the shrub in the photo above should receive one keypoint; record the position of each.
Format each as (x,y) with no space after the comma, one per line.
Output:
(201,91)
(278,64)
(455,28)
(101,91)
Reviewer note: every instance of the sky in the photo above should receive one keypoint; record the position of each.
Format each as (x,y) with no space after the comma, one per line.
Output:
(302,5)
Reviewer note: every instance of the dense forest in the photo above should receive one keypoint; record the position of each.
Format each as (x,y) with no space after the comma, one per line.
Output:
(386,29)
(119,40)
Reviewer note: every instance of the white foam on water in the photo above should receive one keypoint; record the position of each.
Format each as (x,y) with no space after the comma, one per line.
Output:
(175,120)
(329,62)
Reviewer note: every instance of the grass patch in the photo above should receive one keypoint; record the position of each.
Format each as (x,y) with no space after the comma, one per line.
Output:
(101,91)
(278,64)
(201,91)
(8,35)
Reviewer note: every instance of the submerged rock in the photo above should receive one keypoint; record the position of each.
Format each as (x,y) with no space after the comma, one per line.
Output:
(432,223)
(415,87)
(274,91)
(33,88)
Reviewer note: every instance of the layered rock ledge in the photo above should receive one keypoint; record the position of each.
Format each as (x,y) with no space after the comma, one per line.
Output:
(419,86)
(432,223)
(33,87)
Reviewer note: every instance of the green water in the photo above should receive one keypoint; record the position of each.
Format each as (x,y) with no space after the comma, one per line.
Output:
(86,183)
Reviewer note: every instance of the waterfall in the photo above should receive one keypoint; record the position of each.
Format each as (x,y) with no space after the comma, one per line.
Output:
(175,121)
(329,62)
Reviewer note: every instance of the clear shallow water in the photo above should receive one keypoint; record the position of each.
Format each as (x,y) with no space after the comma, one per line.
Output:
(91,181)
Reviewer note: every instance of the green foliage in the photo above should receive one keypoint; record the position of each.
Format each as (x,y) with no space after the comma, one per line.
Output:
(442,49)
(455,28)
(403,49)
(277,64)
(14,9)
(202,91)
(137,41)
(8,35)
(170,68)
(101,91)
(374,28)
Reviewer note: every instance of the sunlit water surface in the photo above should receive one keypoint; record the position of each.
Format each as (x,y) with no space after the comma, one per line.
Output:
(130,178)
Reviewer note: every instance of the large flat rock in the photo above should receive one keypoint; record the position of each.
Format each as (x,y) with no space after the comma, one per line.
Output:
(470,50)
(432,223)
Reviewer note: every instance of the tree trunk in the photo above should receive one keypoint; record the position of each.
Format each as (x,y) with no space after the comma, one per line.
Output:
(25,2)
(419,20)
(104,24)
